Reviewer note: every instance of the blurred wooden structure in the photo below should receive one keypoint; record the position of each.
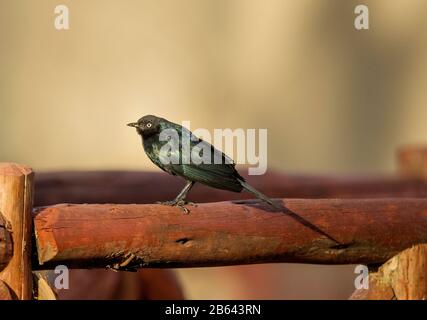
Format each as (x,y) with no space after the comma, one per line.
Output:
(378,221)
(16,201)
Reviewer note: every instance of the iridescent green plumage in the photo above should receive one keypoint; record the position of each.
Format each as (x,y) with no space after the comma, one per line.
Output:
(219,172)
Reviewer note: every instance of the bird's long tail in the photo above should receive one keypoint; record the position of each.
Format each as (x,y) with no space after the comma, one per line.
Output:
(259,195)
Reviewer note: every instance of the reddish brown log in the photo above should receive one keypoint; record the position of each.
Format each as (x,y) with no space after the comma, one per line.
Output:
(307,231)
(148,187)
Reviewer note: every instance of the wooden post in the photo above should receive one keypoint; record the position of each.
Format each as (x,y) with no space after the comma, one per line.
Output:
(6,253)
(413,162)
(405,275)
(410,277)
(6,246)
(16,197)
(5,292)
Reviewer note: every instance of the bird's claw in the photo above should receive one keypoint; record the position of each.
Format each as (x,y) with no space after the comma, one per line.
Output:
(166,203)
(180,204)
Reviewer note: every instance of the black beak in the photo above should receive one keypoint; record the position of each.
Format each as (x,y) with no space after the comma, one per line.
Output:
(133,124)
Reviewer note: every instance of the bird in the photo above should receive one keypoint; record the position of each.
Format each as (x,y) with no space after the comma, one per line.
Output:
(219,173)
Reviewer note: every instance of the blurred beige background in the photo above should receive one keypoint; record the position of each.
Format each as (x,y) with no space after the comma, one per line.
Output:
(334,99)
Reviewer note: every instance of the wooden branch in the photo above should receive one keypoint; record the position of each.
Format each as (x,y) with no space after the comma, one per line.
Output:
(328,231)
(149,187)
(16,190)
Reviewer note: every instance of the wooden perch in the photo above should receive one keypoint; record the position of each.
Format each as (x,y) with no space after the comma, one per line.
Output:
(328,231)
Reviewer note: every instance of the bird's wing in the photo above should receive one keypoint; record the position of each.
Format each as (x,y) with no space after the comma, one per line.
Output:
(209,174)
(214,168)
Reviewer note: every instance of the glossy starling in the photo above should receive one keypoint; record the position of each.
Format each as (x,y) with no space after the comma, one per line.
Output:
(217,174)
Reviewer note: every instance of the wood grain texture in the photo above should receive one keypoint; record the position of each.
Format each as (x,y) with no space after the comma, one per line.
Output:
(6,245)
(43,289)
(5,292)
(324,231)
(407,273)
(378,290)
(16,195)
(403,277)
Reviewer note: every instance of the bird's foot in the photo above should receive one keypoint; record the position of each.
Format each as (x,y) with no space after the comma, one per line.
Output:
(178,203)
(167,203)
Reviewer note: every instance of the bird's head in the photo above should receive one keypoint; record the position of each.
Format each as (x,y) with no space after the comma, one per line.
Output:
(147,125)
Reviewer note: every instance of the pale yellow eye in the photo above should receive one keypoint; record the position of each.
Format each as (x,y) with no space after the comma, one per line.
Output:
(148,125)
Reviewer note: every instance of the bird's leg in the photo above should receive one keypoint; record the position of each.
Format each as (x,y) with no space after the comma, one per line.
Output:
(183,194)
(179,201)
